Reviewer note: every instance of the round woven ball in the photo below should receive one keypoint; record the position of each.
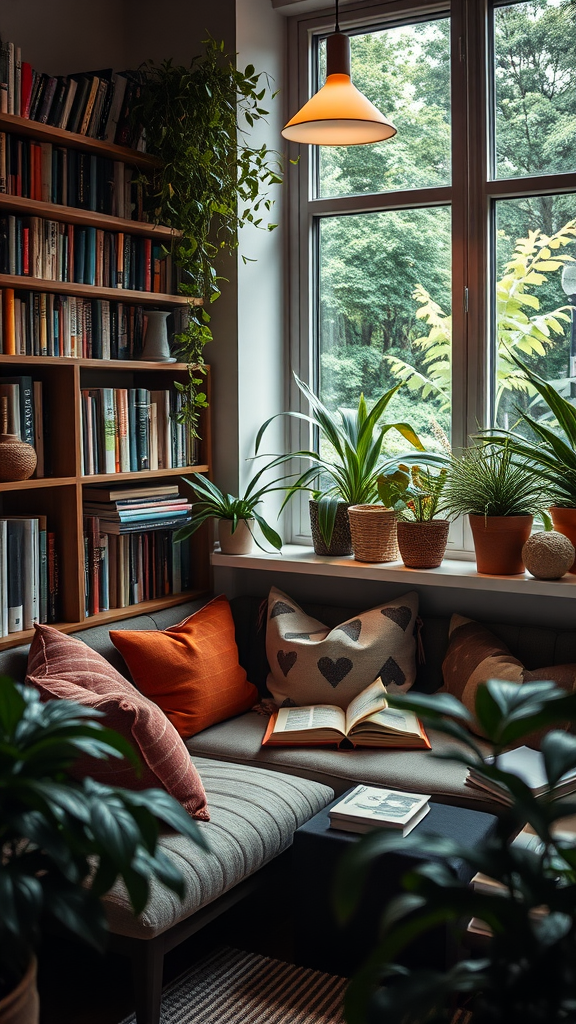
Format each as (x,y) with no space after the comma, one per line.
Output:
(547,556)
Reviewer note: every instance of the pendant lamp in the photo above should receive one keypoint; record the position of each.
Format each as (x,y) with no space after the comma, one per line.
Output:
(338,114)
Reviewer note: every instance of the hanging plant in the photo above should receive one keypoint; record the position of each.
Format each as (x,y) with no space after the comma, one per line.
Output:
(211,183)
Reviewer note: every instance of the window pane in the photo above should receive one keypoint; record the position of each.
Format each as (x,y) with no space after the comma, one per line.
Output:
(536,240)
(385,316)
(535,87)
(405,72)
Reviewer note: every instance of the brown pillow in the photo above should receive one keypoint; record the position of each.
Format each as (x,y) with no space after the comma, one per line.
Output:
(475,655)
(61,667)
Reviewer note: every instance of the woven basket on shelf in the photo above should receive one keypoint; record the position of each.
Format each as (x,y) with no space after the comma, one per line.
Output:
(422,545)
(373,530)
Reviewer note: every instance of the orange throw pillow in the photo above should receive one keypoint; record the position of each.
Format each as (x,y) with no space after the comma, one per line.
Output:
(190,670)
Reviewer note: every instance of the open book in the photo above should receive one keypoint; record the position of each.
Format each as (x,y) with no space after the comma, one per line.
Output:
(367,722)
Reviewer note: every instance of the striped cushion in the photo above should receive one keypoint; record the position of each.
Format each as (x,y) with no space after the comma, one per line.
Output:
(61,667)
(254,814)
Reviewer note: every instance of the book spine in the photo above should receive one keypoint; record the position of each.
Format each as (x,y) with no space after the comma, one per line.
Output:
(109,430)
(132,400)
(142,429)
(53,579)
(15,575)
(43,556)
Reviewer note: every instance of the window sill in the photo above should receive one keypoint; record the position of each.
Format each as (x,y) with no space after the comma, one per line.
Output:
(461,575)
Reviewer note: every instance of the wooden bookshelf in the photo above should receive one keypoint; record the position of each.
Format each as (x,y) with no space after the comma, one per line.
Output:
(61,137)
(60,497)
(89,291)
(75,215)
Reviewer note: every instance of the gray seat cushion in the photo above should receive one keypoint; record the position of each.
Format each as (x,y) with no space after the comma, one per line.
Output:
(254,814)
(239,739)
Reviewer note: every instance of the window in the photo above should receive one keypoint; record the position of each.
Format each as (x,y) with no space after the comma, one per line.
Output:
(430,257)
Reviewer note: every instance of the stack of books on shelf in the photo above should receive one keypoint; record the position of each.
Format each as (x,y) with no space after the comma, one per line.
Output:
(130,552)
(127,430)
(55,251)
(527,764)
(28,573)
(49,173)
(95,103)
(25,413)
(367,808)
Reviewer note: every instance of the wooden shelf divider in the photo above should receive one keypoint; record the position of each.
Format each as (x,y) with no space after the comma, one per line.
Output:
(61,137)
(74,215)
(89,291)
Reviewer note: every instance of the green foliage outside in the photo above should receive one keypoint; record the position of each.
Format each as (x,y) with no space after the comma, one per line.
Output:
(385,301)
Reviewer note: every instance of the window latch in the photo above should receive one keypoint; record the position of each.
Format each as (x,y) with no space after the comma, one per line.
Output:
(466,299)
(461,50)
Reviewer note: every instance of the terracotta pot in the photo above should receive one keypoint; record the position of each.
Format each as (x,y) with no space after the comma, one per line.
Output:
(21,1006)
(423,545)
(498,541)
(240,542)
(341,542)
(373,529)
(564,520)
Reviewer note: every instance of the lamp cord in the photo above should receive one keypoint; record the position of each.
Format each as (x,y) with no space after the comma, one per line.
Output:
(337,25)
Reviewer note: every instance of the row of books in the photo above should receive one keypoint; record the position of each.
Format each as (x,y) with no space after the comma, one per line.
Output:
(55,251)
(528,764)
(130,551)
(68,177)
(26,413)
(28,573)
(95,103)
(126,430)
(46,324)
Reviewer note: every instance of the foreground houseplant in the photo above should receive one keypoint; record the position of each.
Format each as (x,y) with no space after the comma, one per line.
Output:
(526,972)
(236,516)
(414,494)
(551,455)
(56,835)
(500,494)
(345,472)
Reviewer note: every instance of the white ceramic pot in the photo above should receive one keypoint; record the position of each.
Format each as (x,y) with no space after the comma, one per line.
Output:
(238,543)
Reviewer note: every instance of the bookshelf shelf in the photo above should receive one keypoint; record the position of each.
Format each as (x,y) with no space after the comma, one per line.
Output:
(37,483)
(88,291)
(74,215)
(102,618)
(60,137)
(143,475)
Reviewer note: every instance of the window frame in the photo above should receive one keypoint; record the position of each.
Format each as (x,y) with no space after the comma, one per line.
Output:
(472,196)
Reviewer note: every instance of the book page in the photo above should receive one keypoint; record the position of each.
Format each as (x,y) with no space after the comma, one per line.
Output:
(320,716)
(371,699)
(391,720)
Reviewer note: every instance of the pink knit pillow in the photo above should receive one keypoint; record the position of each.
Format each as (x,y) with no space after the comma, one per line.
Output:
(60,666)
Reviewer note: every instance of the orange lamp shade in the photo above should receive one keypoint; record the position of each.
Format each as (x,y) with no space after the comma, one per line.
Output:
(338,114)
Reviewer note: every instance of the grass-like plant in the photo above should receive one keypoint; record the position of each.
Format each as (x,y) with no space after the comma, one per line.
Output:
(64,843)
(357,440)
(214,504)
(551,455)
(490,480)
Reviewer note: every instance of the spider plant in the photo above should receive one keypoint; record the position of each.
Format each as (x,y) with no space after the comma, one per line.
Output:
(553,457)
(214,504)
(357,443)
(490,480)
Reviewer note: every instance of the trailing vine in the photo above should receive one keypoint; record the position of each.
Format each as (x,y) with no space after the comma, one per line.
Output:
(211,181)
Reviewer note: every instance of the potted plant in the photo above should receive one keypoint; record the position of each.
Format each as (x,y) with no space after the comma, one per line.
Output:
(64,843)
(552,456)
(346,469)
(414,494)
(500,494)
(236,516)
(525,971)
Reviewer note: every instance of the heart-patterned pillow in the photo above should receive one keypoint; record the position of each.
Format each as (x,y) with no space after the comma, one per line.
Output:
(311,663)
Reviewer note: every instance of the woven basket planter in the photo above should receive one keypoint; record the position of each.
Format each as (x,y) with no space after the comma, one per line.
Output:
(341,542)
(373,530)
(422,545)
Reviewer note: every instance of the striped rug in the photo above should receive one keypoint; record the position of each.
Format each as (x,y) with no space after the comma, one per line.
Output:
(233,987)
